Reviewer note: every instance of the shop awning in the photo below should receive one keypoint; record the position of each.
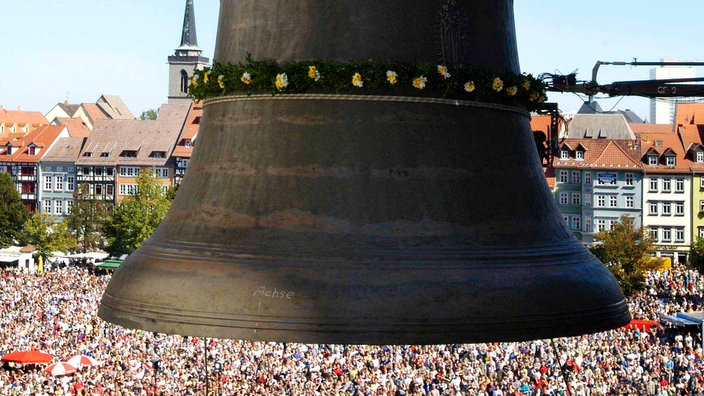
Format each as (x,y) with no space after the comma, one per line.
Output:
(109,264)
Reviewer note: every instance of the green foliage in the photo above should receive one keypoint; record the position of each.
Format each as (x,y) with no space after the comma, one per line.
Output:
(328,77)
(47,234)
(13,213)
(150,114)
(86,218)
(137,216)
(626,251)
(696,254)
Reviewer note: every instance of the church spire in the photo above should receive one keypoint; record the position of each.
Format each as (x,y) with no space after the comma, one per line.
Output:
(188,36)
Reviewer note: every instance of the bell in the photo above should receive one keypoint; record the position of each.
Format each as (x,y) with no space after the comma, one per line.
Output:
(365,218)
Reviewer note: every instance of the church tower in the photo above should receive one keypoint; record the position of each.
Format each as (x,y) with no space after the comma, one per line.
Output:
(186,59)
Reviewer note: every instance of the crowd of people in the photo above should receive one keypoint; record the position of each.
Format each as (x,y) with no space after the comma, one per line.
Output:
(55,312)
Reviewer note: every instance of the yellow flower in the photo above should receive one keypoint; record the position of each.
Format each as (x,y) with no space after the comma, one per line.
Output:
(281,81)
(357,80)
(526,84)
(221,81)
(419,82)
(246,78)
(497,85)
(313,73)
(511,91)
(534,96)
(391,77)
(194,80)
(206,77)
(442,70)
(469,86)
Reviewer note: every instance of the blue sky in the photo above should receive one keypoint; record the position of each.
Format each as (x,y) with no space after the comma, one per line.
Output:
(80,49)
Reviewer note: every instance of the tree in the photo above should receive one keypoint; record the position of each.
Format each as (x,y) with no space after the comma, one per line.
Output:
(150,114)
(696,254)
(626,251)
(86,217)
(137,216)
(47,234)
(13,213)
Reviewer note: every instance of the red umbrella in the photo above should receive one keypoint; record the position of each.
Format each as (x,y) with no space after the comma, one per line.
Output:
(61,368)
(82,361)
(28,357)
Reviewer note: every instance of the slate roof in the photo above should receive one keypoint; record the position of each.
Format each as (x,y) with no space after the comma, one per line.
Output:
(600,126)
(65,149)
(111,139)
(114,107)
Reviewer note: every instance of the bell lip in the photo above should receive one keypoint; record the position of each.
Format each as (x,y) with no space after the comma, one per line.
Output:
(525,329)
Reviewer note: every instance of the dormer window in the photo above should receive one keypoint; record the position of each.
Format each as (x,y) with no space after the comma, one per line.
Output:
(105,154)
(670,160)
(157,154)
(32,150)
(564,154)
(653,160)
(8,149)
(187,142)
(700,156)
(579,154)
(129,153)
(87,154)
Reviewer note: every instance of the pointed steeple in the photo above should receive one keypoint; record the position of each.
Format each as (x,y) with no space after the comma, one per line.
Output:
(187,58)
(188,35)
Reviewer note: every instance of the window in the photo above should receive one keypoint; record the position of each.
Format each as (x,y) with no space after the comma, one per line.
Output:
(606,178)
(32,150)
(579,154)
(629,179)
(679,234)
(576,177)
(157,154)
(600,201)
(600,225)
(576,223)
(563,176)
(679,208)
(69,183)
(110,171)
(700,156)
(679,185)
(666,184)
(653,160)
(69,206)
(47,206)
(666,234)
(161,173)
(109,190)
(98,171)
(666,209)
(564,154)
(654,233)
(128,154)
(587,178)
(128,189)
(701,232)
(629,201)
(60,183)
(99,189)
(129,171)
(187,142)
(587,199)
(653,208)
(566,219)
(576,199)
(58,207)
(563,198)
(670,160)
(184,81)
(701,206)
(653,185)
(613,201)
(701,182)
(48,183)
(587,224)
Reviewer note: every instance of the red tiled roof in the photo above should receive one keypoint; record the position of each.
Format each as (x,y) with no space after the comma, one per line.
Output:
(22,117)
(689,113)
(651,128)
(189,132)
(76,126)
(602,153)
(42,137)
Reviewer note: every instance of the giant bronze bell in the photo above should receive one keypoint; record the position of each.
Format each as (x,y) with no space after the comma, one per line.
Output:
(365,219)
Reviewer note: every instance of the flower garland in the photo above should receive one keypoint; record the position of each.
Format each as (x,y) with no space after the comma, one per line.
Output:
(368,78)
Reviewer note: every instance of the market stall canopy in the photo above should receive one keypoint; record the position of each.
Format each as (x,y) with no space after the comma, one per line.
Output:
(28,357)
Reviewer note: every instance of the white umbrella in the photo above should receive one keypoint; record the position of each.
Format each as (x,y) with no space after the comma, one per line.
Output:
(81,361)
(61,368)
